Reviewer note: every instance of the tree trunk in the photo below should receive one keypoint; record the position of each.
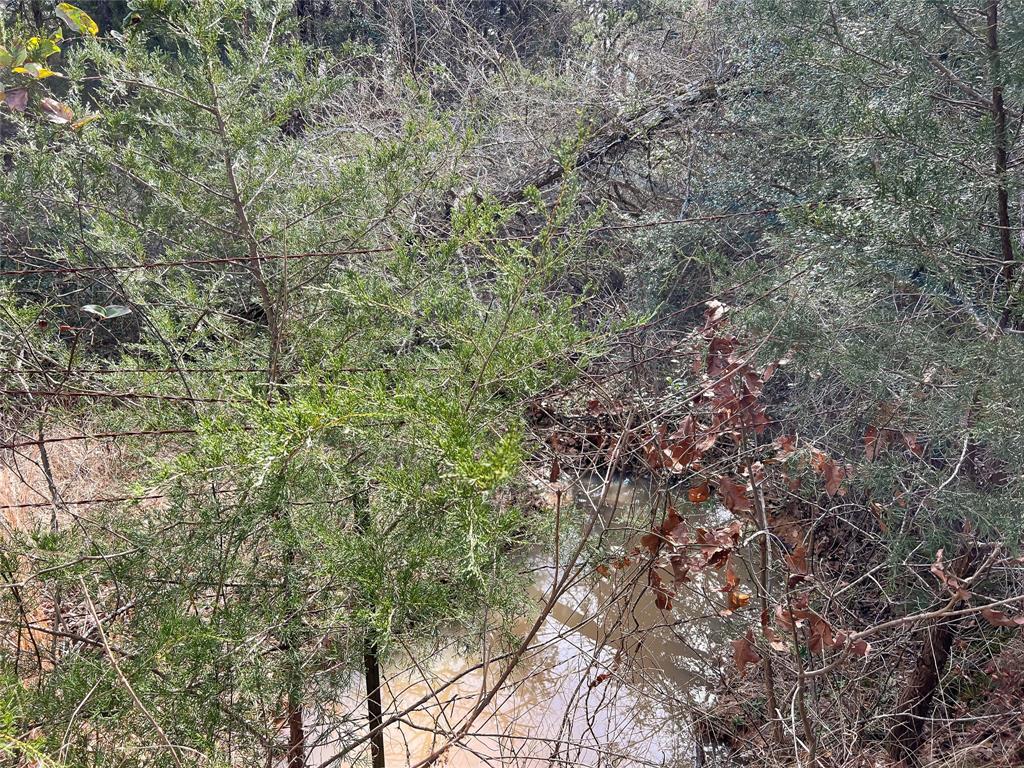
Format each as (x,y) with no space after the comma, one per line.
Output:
(305,12)
(296,734)
(371,656)
(915,701)
(37,14)
(999,143)
(374,710)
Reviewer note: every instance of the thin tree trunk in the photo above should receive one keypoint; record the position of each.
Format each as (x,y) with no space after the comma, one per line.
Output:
(999,142)
(296,733)
(304,12)
(371,658)
(274,310)
(296,718)
(915,701)
(763,585)
(374,710)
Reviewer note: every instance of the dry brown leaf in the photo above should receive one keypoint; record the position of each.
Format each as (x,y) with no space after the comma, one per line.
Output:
(743,652)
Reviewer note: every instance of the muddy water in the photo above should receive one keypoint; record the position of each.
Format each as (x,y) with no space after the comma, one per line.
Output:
(612,681)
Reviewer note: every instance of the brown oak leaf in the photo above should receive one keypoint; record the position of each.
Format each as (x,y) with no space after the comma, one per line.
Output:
(743,652)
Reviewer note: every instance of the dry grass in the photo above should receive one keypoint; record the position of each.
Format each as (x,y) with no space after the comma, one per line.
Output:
(81,469)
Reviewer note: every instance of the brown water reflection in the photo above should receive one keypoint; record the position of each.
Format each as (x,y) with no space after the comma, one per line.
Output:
(655,668)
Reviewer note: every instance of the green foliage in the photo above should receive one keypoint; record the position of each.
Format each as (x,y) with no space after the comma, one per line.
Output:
(883,266)
(358,491)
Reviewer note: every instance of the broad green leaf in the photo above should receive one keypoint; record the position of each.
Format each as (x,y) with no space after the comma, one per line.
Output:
(76,18)
(16,99)
(108,312)
(41,48)
(6,59)
(56,112)
(19,55)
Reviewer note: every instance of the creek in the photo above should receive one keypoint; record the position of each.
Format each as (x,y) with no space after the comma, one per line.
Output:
(611,679)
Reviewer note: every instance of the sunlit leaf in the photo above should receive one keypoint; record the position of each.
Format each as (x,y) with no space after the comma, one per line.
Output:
(738,600)
(717,545)
(56,112)
(34,69)
(797,560)
(6,59)
(734,495)
(949,580)
(873,442)
(858,647)
(833,472)
(681,567)
(77,19)
(820,634)
(715,311)
(775,641)
(79,124)
(680,448)
(108,312)
(910,440)
(42,48)
(732,579)
(598,680)
(799,611)
(662,596)
(786,444)
(674,528)
(651,542)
